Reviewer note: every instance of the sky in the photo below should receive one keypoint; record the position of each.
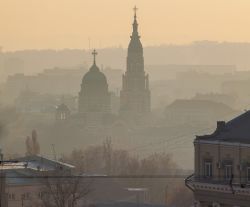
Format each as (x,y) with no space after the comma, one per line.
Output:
(59,24)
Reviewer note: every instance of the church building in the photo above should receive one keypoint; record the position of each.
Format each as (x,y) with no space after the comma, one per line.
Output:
(94,96)
(135,93)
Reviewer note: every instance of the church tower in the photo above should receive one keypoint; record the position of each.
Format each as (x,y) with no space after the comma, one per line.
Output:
(135,93)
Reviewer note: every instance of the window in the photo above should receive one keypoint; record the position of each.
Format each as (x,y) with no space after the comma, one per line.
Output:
(25,196)
(11,196)
(208,169)
(248,174)
(41,195)
(228,172)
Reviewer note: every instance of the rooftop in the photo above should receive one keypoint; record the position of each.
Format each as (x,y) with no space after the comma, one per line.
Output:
(236,130)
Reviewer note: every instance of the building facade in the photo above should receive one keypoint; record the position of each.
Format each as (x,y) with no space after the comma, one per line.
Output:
(135,93)
(26,179)
(222,165)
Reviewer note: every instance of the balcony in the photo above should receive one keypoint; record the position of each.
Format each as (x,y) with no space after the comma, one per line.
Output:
(195,185)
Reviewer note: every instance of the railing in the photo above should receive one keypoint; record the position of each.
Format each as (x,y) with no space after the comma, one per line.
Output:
(188,182)
(196,184)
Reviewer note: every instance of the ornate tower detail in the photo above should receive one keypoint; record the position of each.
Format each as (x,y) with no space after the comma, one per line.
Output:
(135,93)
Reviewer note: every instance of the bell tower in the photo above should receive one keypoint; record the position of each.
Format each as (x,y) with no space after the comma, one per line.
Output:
(135,93)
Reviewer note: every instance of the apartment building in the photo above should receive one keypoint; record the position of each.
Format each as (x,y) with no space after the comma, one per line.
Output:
(222,165)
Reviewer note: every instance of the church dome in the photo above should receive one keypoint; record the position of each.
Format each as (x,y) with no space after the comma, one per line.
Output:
(94,82)
(94,95)
(94,76)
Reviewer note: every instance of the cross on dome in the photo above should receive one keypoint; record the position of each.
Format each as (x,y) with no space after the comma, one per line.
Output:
(94,53)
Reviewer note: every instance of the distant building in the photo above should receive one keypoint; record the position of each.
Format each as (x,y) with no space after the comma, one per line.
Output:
(222,165)
(193,111)
(135,93)
(32,102)
(62,112)
(229,100)
(94,97)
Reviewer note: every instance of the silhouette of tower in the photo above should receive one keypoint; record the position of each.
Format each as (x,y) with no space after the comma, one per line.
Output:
(94,97)
(135,93)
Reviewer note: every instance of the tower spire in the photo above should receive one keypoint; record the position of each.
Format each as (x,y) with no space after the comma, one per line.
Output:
(135,11)
(94,53)
(135,24)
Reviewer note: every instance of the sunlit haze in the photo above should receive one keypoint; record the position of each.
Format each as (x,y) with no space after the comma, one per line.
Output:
(57,24)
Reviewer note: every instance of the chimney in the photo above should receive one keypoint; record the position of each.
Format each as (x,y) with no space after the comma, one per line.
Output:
(221,125)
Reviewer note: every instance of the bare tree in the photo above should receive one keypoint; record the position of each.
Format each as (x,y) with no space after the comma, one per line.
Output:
(63,190)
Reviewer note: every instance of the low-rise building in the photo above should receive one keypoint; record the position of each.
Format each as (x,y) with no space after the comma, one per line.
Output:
(24,179)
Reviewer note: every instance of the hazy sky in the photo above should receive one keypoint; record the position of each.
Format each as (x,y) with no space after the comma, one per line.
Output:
(27,24)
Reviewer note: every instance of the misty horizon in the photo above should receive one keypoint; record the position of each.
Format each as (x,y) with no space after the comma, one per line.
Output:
(124,46)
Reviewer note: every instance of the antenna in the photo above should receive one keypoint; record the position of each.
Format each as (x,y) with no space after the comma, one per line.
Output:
(89,43)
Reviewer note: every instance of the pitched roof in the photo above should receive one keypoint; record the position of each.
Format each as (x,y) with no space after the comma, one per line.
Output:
(43,163)
(237,130)
(27,170)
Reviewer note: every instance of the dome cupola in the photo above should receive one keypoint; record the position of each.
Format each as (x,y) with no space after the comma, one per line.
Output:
(94,81)
(94,95)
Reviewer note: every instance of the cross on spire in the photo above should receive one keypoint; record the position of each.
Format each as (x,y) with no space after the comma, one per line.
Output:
(135,10)
(94,53)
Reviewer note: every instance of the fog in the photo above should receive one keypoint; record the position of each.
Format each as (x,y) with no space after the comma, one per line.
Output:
(207,75)
(79,120)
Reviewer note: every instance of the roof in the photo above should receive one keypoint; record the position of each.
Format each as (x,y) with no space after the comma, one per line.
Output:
(94,76)
(43,163)
(127,204)
(237,130)
(27,170)
(13,166)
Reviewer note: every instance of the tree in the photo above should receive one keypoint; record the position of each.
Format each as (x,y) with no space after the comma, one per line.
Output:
(28,143)
(107,155)
(32,144)
(64,190)
(105,159)
(35,143)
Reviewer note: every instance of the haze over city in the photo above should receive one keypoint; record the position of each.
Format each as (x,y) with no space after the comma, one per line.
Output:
(121,103)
